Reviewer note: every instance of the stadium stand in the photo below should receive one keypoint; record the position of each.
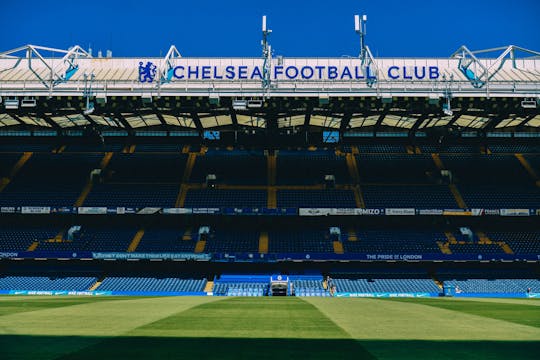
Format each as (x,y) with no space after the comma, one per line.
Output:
(148,284)
(45,283)
(49,180)
(386,285)
(502,286)
(381,187)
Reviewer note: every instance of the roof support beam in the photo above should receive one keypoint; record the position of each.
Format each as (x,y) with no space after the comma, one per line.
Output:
(345,121)
(417,124)
(309,110)
(124,122)
(380,120)
(197,120)
(527,119)
(234,119)
(160,117)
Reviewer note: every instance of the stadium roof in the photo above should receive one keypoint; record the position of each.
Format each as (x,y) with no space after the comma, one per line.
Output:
(71,89)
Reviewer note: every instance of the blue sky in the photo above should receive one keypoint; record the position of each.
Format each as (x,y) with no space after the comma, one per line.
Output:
(396,28)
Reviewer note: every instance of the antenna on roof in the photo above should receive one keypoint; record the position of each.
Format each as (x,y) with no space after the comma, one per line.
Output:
(267,55)
(360,28)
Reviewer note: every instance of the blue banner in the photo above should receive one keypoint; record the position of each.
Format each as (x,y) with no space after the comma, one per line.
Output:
(387,295)
(143,256)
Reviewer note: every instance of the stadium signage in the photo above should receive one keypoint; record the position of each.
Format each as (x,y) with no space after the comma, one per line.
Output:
(394,256)
(147,72)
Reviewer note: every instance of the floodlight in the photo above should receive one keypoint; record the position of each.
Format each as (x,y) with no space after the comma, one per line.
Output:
(28,102)
(239,104)
(255,103)
(528,103)
(11,103)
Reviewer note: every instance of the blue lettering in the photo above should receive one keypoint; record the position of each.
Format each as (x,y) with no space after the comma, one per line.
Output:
(358,73)
(332,72)
(278,70)
(418,76)
(320,68)
(405,76)
(306,74)
(193,71)
(346,72)
(256,73)
(294,73)
(434,72)
(392,76)
(176,74)
(242,72)
(216,74)
(229,72)
(206,72)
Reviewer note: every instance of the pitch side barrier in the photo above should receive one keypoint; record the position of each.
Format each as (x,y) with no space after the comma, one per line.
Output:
(248,211)
(99,293)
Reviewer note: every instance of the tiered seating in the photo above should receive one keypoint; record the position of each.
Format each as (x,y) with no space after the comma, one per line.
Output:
(241,289)
(133,195)
(233,240)
(381,149)
(521,242)
(241,285)
(46,283)
(395,242)
(19,239)
(25,147)
(231,167)
(386,285)
(408,196)
(310,167)
(152,284)
(95,239)
(466,245)
(6,163)
(494,285)
(299,241)
(165,240)
(139,180)
(476,248)
(327,198)
(396,168)
(309,288)
(159,148)
(514,148)
(93,148)
(209,198)
(495,181)
(50,179)
(456,149)
(500,196)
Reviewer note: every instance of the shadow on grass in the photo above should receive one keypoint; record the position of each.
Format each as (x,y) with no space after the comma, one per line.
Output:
(76,347)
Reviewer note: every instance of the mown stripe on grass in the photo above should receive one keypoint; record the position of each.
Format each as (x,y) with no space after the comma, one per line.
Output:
(79,326)
(39,303)
(235,328)
(523,314)
(377,319)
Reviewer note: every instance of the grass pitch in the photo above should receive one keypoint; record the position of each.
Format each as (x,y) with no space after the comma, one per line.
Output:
(267,328)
